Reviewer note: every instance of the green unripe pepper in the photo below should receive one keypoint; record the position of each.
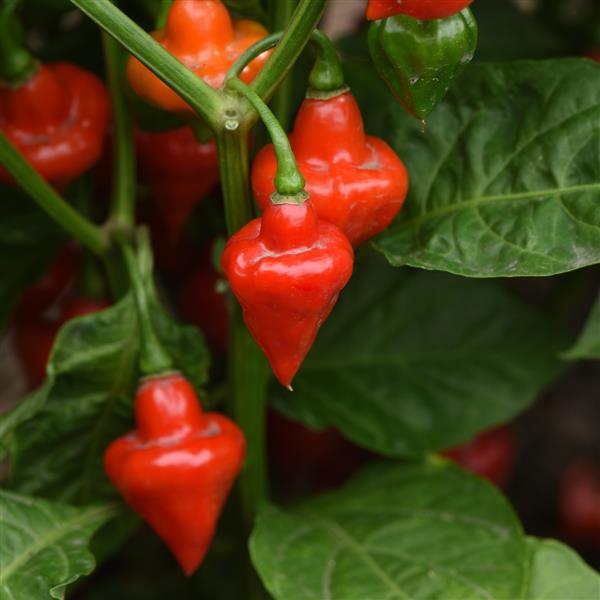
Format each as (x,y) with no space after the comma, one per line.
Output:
(420,59)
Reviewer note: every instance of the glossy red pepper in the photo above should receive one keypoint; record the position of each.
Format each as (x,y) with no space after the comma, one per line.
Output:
(490,455)
(58,120)
(419,9)
(356,182)
(59,275)
(287,269)
(202,35)
(579,503)
(306,460)
(34,334)
(179,170)
(205,307)
(176,469)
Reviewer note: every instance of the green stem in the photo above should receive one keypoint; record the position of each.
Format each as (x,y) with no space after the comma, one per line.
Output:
(282,101)
(16,63)
(91,236)
(305,19)
(122,210)
(153,357)
(288,180)
(197,93)
(327,74)
(232,149)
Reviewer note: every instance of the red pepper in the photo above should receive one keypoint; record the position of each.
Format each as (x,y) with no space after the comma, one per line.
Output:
(202,305)
(287,269)
(176,469)
(58,120)
(490,455)
(201,34)
(58,277)
(419,9)
(579,503)
(593,54)
(179,170)
(356,182)
(34,334)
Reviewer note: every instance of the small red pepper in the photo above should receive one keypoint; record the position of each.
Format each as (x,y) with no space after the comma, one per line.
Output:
(579,503)
(58,120)
(419,9)
(202,305)
(179,170)
(176,469)
(202,35)
(356,182)
(34,334)
(490,455)
(287,269)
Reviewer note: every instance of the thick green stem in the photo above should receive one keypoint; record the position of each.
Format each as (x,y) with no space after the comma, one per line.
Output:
(154,360)
(198,94)
(122,210)
(288,180)
(282,101)
(305,19)
(91,236)
(16,63)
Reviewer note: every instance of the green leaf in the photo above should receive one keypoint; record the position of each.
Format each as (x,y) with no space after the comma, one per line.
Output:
(412,362)
(557,573)
(87,401)
(28,242)
(588,344)
(45,545)
(248,8)
(505,181)
(426,530)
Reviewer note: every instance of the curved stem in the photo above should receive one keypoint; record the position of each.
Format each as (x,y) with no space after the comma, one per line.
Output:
(206,101)
(288,180)
(305,18)
(123,181)
(327,74)
(16,63)
(153,357)
(91,236)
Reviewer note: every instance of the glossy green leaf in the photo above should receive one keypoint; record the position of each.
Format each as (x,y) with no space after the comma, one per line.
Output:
(588,344)
(505,181)
(426,531)
(558,573)
(87,401)
(411,362)
(45,545)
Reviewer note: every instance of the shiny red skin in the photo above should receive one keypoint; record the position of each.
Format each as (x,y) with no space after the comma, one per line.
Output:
(54,283)
(179,170)
(356,182)
(419,9)
(34,334)
(490,455)
(287,269)
(176,469)
(202,305)
(58,120)
(315,459)
(579,503)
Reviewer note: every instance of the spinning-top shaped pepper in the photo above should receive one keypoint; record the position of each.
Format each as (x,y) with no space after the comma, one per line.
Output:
(419,9)
(176,469)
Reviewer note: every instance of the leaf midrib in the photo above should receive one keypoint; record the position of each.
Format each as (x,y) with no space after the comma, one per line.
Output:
(55,534)
(476,202)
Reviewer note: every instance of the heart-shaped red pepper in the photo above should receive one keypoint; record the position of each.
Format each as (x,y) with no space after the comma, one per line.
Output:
(356,182)
(176,469)
(287,269)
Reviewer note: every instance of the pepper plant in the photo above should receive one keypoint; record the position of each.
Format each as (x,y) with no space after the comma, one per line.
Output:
(357,274)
